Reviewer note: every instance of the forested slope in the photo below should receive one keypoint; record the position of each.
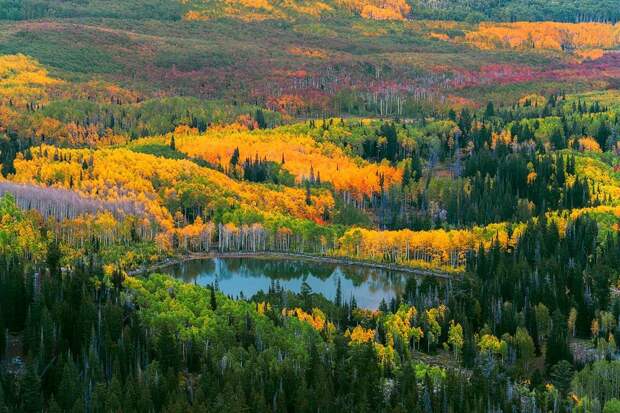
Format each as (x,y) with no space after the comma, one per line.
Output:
(511,10)
(476,139)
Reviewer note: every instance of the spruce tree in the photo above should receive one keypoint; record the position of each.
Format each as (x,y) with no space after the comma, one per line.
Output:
(213,298)
(2,336)
(31,396)
(557,345)
(260,119)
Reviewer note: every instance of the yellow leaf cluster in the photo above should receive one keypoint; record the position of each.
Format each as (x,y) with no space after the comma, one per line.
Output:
(254,10)
(120,174)
(545,35)
(588,143)
(492,344)
(23,80)
(401,325)
(600,173)
(263,307)
(360,335)
(316,319)
(301,153)
(533,99)
(435,248)
(378,9)
(308,52)
(257,10)
(592,54)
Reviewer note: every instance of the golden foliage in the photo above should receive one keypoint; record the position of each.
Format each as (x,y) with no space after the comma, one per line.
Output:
(436,248)
(263,307)
(316,319)
(439,36)
(588,143)
(401,325)
(23,80)
(300,154)
(360,335)
(97,91)
(257,10)
(19,234)
(378,9)
(534,99)
(120,174)
(599,173)
(592,54)
(545,35)
(254,10)
(308,52)
(492,344)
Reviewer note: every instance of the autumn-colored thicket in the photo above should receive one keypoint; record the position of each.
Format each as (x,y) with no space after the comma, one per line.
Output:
(22,80)
(430,249)
(113,193)
(545,35)
(378,9)
(301,155)
(256,10)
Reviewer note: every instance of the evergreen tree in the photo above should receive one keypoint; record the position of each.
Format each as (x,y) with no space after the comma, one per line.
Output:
(561,376)
(489,111)
(69,386)
(557,139)
(213,298)
(2,337)
(168,351)
(3,406)
(31,396)
(602,135)
(260,119)
(54,407)
(53,258)
(308,193)
(557,346)
(338,299)
(234,159)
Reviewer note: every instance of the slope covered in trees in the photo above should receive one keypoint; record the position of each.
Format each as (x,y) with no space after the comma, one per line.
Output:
(156,343)
(586,40)
(321,186)
(307,160)
(338,64)
(511,10)
(481,153)
(519,10)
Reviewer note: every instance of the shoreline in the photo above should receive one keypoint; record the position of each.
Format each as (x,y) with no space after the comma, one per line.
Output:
(296,256)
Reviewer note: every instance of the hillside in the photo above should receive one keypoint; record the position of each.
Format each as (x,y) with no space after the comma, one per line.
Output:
(511,10)
(337,65)
(309,206)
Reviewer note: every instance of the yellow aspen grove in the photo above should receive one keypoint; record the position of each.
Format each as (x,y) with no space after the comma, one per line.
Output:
(546,35)
(298,154)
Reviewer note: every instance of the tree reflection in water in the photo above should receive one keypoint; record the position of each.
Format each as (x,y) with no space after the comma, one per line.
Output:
(247,276)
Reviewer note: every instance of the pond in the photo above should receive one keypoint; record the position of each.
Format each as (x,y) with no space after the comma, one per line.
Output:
(247,276)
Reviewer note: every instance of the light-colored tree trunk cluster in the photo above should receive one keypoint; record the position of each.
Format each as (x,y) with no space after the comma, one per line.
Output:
(65,204)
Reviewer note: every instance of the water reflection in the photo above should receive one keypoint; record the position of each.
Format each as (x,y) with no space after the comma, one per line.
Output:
(251,275)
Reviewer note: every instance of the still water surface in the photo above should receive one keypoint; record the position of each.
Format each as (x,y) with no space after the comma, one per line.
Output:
(251,275)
